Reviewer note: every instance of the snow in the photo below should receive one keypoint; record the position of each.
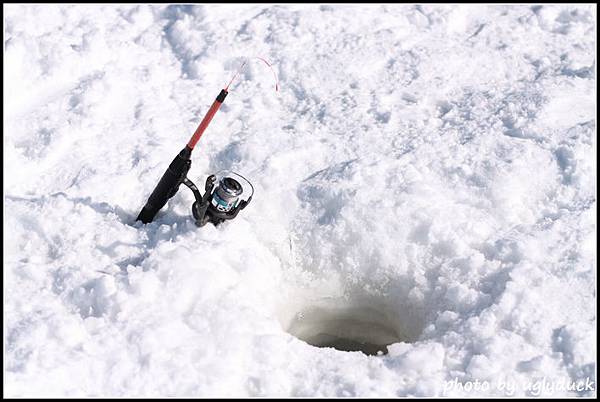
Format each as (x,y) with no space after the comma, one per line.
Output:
(425,177)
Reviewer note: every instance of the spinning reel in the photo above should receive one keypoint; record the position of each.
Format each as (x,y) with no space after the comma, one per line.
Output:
(226,194)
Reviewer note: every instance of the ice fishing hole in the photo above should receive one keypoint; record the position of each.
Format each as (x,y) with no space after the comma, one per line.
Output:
(365,328)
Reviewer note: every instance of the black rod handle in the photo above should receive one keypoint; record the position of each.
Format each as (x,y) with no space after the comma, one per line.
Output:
(168,185)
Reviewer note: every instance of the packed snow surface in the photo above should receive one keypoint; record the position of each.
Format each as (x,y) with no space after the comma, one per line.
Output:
(425,178)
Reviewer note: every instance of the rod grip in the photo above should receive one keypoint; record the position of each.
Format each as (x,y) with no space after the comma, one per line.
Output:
(168,185)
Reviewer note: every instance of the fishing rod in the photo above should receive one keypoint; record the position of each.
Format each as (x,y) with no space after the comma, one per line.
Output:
(225,192)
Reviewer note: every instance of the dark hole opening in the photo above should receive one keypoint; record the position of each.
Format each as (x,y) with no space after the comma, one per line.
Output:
(356,329)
